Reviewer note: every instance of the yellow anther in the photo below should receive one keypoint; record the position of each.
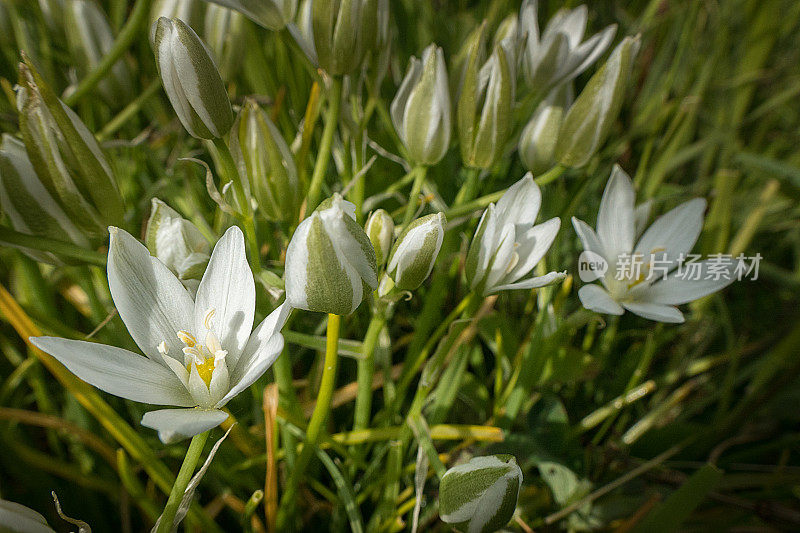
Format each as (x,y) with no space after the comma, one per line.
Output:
(187,338)
(162,348)
(207,319)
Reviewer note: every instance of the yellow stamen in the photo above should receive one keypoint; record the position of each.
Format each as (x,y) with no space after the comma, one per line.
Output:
(205,370)
(187,338)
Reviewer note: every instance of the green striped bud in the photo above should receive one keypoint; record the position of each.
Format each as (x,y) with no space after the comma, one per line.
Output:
(485,109)
(30,207)
(89,38)
(342,31)
(588,121)
(421,109)
(415,252)
(66,157)
(263,156)
(480,496)
(537,143)
(177,243)
(271,14)
(191,80)
(330,262)
(223,32)
(380,230)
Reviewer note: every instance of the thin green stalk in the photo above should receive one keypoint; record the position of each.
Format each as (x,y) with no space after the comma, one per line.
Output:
(129,111)
(366,371)
(324,153)
(9,237)
(129,33)
(318,418)
(184,476)
(231,174)
(413,198)
(470,187)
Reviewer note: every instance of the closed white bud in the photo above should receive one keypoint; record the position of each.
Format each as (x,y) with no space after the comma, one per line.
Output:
(537,144)
(191,80)
(421,109)
(480,496)
(271,14)
(177,243)
(415,252)
(380,230)
(330,261)
(508,245)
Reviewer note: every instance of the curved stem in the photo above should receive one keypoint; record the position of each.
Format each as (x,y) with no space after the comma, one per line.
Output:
(130,32)
(130,110)
(413,197)
(324,154)
(184,476)
(318,419)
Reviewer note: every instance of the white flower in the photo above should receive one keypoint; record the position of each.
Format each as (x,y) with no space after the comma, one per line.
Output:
(557,55)
(653,289)
(330,261)
(507,245)
(16,518)
(199,353)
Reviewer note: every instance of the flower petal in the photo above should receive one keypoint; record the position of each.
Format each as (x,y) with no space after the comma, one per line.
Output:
(654,311)
(533,245)
(18,518)
(595,298)
(589,239)
(117,371)
(177,424)
(228,288)
(615,219)
(150,300)
(532,283)
(269,328)
(252,366)
(682,288)
(520,204)
(673,233)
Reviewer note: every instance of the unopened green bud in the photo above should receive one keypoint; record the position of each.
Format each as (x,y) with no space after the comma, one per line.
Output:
(264,158)
(90,38)
(30,207)
(340,36)
(485,109)
(380,230)
(537,144)
(222,32)
(67,158)
(421,109)
(189,11)
(415,252)
(271,14)
(507,36)
(177,243)
(191,80)
(590,118)
(330,262)
(480,496)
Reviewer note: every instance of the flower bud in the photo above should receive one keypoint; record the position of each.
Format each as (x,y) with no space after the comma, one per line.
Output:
(66,157)
(590,118)
(189,11)
(223,32)
(537,144)
(485,109)
(263,156)
(177,243)
(557,55)
(480,496)
(507,36)
(30,207)
(340,33)
(191,80)
(380,230)
(330,262)
(421,109)
(89,38)
(271,14)
(416,251)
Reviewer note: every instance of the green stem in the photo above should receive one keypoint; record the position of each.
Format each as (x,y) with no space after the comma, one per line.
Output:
(184,476)
(324,154)
(130,110)
(366,371)
(231,174)
(9,237)
(413,197)
(470,187)
(129,33)
(318,418)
